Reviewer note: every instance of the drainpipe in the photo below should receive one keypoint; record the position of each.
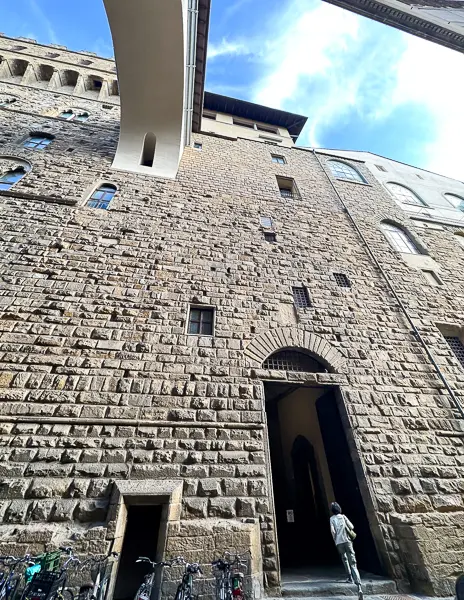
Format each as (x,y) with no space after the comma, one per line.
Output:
(191,59)
(415,331)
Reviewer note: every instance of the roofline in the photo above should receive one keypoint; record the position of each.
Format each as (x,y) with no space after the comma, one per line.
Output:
(330,150)
(204,11)
(248,110)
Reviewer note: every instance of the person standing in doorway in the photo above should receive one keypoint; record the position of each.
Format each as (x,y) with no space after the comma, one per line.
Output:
(343,533)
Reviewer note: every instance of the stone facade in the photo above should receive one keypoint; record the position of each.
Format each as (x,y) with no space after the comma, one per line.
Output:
(104,392)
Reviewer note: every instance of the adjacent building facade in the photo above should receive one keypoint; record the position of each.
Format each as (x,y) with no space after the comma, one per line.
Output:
(211,358)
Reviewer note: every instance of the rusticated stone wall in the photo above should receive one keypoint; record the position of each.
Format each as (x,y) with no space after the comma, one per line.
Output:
(101,384)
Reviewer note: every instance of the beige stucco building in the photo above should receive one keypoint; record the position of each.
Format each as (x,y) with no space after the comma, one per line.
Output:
(210,334)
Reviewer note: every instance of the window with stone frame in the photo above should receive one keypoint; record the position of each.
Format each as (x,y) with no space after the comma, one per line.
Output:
(278,159)
(38,141)
(8,179)
(201,320)
(342,170)
(404,194)
(301,297)
(342,280)
(399,239)
(102,196)
(457,347)
(287,188)
(74,114)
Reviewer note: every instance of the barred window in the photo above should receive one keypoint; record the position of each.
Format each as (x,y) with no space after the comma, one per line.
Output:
(457,347)
(201,321)
(287,188)
(293,360)
(270,236)
(341,170)
(404,194)
(102,196)
(342,280)
(301,297)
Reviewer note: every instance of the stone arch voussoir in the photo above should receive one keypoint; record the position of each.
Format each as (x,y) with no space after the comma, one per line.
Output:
(273,340)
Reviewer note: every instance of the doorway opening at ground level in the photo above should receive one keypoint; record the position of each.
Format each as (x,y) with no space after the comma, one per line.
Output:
(312,467)
(140,539)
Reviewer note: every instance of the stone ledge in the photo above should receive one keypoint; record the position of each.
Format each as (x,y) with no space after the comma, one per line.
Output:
(39,198)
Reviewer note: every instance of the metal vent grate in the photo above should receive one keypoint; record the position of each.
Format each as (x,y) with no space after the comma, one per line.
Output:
(291,360)
(457,347)
(342,280)
(301,297)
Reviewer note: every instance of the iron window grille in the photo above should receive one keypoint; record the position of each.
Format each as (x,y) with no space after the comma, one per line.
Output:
(457,347)
(201,321)
(301,297)
(102,197)
(37,142)
(269,236)
(292,360)
(342,280)
(277,158)
(287,188)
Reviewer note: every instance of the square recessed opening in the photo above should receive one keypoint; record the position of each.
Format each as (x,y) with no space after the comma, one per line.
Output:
(431,277)
(270,236)
(342,280)
(287,187)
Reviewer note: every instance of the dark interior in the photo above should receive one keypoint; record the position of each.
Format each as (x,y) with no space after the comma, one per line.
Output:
(140,539)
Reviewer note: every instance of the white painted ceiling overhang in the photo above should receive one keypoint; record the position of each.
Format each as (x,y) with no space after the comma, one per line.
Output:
(155,45)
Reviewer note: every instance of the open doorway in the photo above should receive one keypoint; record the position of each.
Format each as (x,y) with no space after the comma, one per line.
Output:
(140,539)
(312,467)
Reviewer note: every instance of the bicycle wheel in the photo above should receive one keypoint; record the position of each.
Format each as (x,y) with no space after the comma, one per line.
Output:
(13,590)
(180,594)
(63,595)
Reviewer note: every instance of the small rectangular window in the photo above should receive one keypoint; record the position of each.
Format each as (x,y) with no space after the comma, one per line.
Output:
(201,321)
(454,342)
(277,158)
(198,146)
(267,129)
(270,236)
(265,221)
(287,188)
(342,280)
(431,277)
(301,297)
(242,123)
(381,168)
(209,115)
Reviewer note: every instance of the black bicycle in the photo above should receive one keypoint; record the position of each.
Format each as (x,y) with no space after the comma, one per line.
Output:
(9,578)
(229,577)
(101,568)
(146,588)
(52,585)
(185,588)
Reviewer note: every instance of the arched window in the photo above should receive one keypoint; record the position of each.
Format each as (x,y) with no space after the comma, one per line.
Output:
(341,170)
(456,201)
(11,177)
(399,239)
(102,196)
(404,194)
(7,100)
(74,114)
(148,152)
(293,360)
(38,140)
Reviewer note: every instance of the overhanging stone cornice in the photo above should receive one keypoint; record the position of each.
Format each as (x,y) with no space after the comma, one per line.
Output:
(406,20)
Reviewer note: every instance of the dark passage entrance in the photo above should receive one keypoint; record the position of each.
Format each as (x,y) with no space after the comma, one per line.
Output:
(140,539)
(312,467)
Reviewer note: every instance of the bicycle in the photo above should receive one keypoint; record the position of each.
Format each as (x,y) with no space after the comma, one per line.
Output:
(100,573)
(185,588)
(229,582)
(146,588)
(9,583)
(52,585)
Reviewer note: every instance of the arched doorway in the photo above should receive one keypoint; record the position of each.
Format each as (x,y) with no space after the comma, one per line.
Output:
(311,467)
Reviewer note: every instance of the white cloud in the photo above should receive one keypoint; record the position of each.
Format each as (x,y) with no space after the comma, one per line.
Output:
(227,48)
(41,16)
(433,77)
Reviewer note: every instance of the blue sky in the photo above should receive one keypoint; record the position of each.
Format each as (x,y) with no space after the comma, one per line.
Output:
(363,85)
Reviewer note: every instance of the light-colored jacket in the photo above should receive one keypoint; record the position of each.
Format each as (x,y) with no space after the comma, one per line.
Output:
(339,526)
